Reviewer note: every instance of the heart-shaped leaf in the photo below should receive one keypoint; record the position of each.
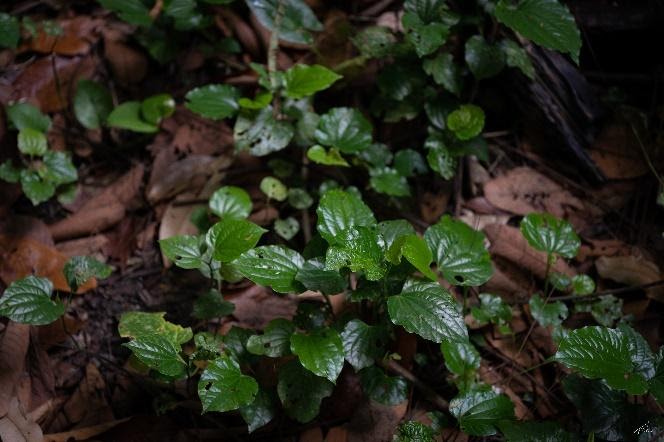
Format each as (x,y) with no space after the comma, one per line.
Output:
(223,387)
(483,59)
(214,101)
(231,237)
(28,301)
(388,181)
(339,210)
(230,202)
(183,250)
(363,343)
(272,266)
(345,129)
(275,340)
(480,410)
(302,81)
(260,412)
(301,391)
(320,351)
(24,115)
(262,134)
(550,235)
(159,353)
(384,389)
(466,122)
(553,313)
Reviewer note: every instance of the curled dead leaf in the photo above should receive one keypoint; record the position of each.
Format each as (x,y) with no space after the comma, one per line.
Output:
(13,348)
(16,427)
(632,271)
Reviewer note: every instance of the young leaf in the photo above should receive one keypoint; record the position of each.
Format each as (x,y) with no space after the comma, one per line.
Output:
(320,351)
(273,266)
(275,340)
(480,410)
(388,181)
(214,101)
(412,431)
(427,309)
(128,116)
(330,157)
(274,189)
(140,324)
(301,391)
(32,142)
(230,238)
(302,81)
(260,412)
(262,134)
(36,188)
(299,198)
(550,235)
(553,313)
(296,21)
(28,301)
(484,60)
(10,31)
(92,104)
(357,248)
(59,168)
(363,343)
(159,353)
(338,210)
(392,230)
(602,353)
(459,252)
(345,129)
(492,309)
(212,305)
(230,202)
(157,107)
(79,269)
(24,115)
(548,23)
(314,277)
(415,250)
(223,387)
(287,228)
(466,122)
(183,250)
(582,285)
(384,389)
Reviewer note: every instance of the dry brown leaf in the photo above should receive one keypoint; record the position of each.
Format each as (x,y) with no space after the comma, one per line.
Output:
(13,348)
(88,405)
(508,242)
(15,427)
(19,226)
(336,434)
(177,221)
(433,205)
(83,433)
(58,331)
(129,66)
(255,306)
(523,190)
(374,422)
(508,280)
(87,246)
(314,434)
(77,36)
(617,153)
(631,270)
(25,257)
(479,222)
(227,20)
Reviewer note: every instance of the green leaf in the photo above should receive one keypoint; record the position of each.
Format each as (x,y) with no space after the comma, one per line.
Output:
(384,389)
(517,57)
(24,115)
(642,357)
(492,309)
(330,157)
(440,159)
(358,249)
(550,235)
(656,383)
(375,41)
(427,309)
(459,252)
(59,168)
(32,142)
(548,23)
(301,391)
(214,101)
(339,210)
(260,412)
(363,343)
(461,358)
(296,21)
(157,107)
(466,122)
(302,81)
(377,155)
(484,60)
(262,134)
(183,250)
(388,181)
(212,305)
(260,101)
(10,31)
(480,410)
(158,353)
(425,37)
(412,431)
(299,198)
(344,128)
(9,172)
(287,228)
(230,238)
(559,281)
(92,104)
(36,188)
(392,230)
(274,189)
(546,431)
(131,11)
(79,269)
(235,343)
(409,162)
(416,251)
(314,276)
(582,285)
(599,405)
(320,351)
(140,324)
(28,301)
(606,310)
(550,314)
(128,116)
(230,202)
(602,353)
(273,266)
(445,72)
(426,10)
(275,340)
(223,387)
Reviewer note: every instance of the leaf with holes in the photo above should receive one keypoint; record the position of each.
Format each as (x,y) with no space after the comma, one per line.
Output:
(214,101)
(275,340)
(184,250)
(550,235)
(274,189)
(301,391)
(363,343)
(28,301)
(273,266)
(262,134)
(223,387)
(459,252)
(330,157)
(79,269)
(230,202)
(339,210)
(320,351)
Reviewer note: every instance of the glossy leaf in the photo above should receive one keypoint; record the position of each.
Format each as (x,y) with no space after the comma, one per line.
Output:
(59,168)
(492,308)
(416,251)
(92,104)
(183,250)
(550,235)
(301,391)
(230,238)
(212,305)
(440,159)
(128,116)
(480,410)
(35,187)
(296,21)
(299,198)
(214,101)
(32,142)
(345,129)
(427,309)
(314,276)
(302,81)
(582,285)
(466,122)
(530,431)
(363,343)
(358,249)
(384,389)
(409,162)
(339,210)
(392,230)
(230,202)
(330,157)
(461,358)
(260,412)
(375,41)
(550,314)
(388,181)
(445,72)
(262,134)
(24,115)
(272,266)
(319,351)
(459,252)
(483,59)
(223,387)
(79,269)
(517,57)
(425,37)
(159,353)
(140,324)
(157,107)
(275,340)
(28,301)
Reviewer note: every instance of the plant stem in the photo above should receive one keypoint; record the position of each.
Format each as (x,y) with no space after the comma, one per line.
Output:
(428,393)
(272,53)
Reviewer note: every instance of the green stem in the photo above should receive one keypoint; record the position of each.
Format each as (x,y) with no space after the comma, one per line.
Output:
(272,53)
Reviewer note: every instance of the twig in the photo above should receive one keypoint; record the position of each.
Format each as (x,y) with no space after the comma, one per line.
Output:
(428,393)
(609,292)
(272,52)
